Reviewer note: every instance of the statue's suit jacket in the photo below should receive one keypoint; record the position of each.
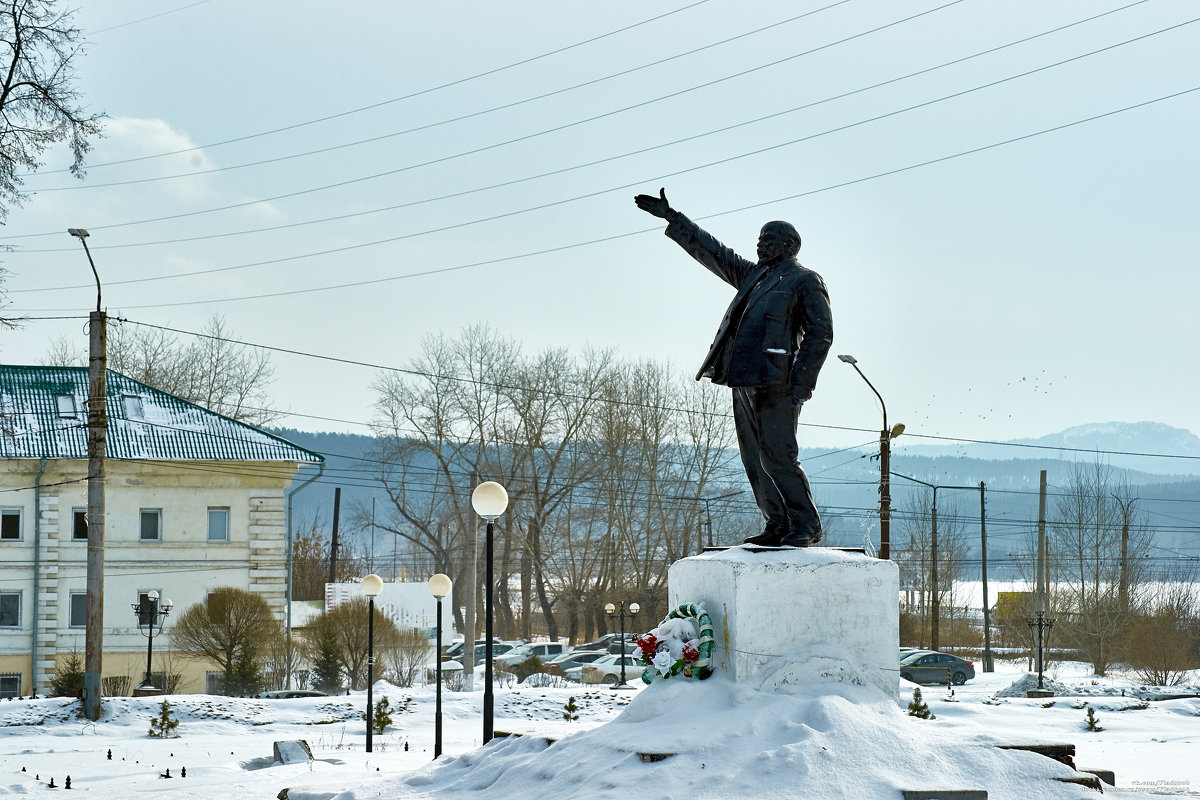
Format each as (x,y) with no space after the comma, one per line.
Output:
(779,327)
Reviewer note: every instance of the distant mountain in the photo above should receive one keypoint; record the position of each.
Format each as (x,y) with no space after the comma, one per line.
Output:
(1144,446)
(847,492)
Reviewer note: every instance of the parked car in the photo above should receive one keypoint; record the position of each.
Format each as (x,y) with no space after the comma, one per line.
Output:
(542,650)
(455,651)
(600,644)
(630,644)
(282,694)
(607,670)
(927,666)
(560,664)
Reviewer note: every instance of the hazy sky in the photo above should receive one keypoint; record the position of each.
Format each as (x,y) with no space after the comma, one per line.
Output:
(312,174)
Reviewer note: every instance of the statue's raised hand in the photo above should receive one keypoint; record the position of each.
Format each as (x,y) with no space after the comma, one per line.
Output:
(658,206)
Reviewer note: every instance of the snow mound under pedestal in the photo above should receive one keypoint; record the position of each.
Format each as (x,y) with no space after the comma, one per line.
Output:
(1028,683)
(720,739)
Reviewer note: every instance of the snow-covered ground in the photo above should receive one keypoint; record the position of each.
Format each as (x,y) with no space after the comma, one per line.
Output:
(728,740)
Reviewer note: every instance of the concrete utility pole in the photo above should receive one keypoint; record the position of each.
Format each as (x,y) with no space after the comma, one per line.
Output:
(988,664)
(97,444)
(1039,624)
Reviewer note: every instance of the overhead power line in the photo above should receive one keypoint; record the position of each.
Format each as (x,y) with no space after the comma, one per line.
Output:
(381,103)
(808,193)
(600,116)
(595,162)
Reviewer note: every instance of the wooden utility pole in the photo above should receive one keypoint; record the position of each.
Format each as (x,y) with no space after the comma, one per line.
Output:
(935,602)
(97,405)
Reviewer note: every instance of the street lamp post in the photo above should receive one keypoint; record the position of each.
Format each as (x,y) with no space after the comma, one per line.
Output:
(489,501)
(439,587)
(96,442)
(152,615)
(885,453)
(632,609)
(372,585)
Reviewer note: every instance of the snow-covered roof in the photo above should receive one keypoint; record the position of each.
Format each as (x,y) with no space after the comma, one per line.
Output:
(43,414)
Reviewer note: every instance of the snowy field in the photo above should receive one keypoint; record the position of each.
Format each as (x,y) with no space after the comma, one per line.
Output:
(728,740)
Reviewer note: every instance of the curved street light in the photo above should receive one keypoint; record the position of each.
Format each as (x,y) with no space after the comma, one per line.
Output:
(885,450)
(490,500)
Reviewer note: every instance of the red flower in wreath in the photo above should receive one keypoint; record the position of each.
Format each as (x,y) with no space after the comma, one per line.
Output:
(648,644)
(690,652)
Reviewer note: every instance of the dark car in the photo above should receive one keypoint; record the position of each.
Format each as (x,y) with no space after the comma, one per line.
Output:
(927,666)
(602,643)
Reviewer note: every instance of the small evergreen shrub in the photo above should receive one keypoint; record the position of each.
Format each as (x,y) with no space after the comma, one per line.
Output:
(163,726)
(918,708)
(68,676)
(570,710)
(1091,720)
(382,716)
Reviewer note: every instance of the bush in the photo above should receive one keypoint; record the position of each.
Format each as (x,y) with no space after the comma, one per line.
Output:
(526,668)
(163,726)
(382,716)
(68,676)
(115,685)
(918,708)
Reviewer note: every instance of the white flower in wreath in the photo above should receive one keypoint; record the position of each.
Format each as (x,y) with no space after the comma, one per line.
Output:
(663,662)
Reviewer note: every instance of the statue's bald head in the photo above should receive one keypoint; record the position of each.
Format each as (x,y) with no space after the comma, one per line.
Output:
(777,241)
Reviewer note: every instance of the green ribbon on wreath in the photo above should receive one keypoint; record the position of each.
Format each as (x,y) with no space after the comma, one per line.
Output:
(701,668)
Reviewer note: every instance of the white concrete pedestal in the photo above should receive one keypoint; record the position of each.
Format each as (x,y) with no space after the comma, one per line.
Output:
(803,616)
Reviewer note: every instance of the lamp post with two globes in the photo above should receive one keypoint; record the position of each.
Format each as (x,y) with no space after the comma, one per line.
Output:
(489,501)
(439,587)
(632,609)
(372,585)
(153,615)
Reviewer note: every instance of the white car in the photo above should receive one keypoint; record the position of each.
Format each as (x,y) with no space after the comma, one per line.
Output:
(543,650)
(607,670)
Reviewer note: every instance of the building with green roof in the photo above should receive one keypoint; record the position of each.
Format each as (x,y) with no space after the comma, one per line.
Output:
(194,501)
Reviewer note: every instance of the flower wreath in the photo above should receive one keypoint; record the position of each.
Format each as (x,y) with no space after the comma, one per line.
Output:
(681,645)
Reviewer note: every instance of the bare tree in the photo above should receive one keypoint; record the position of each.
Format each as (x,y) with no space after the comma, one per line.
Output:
(39,104)
(346,628)
(212,370)
(1097,541)
(232,628)
(1162,642)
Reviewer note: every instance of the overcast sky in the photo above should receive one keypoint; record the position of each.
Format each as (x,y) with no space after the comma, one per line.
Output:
(1009,241)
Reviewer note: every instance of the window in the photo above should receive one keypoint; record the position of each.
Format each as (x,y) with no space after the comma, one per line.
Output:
(151,524)
(78,609)
(10,685)
(10,609)
(147,608)
(10,524)
(218,524)
(79,524)
(66,406)
(132,405)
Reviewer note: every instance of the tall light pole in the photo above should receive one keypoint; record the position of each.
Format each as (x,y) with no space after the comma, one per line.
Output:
(439,587)
(632,609)
(97,444)
(152,615)
(372,585)
(885,456)
(489,501)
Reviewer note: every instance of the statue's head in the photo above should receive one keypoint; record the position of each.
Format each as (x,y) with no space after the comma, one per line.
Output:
(777,241)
